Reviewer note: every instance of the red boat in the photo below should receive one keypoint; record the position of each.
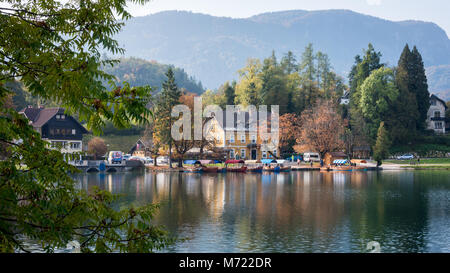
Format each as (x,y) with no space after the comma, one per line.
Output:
(237,166)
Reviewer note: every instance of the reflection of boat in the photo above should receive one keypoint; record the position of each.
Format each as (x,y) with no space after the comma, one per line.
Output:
(236,165)
(254,166)
(208,166)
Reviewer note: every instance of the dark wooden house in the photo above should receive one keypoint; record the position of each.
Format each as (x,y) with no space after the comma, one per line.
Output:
(56,127)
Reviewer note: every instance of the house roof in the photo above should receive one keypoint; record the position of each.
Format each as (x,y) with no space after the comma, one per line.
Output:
(433,96)
(39,116)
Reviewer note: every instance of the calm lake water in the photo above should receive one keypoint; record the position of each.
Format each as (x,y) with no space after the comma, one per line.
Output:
(405,211)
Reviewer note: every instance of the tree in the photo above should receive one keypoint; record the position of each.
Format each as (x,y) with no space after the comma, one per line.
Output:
(97,147)
(289,63)
(404,113)
(322,129)
(381,148)
(360,71)
(229,92)
(419,86)
(54,49)
(273,85)
(289,126)
(249,79)
(378,93)
(168,98)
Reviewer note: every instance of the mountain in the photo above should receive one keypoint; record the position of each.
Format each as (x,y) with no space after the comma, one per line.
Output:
(139,72)
(214,48)
(439,81)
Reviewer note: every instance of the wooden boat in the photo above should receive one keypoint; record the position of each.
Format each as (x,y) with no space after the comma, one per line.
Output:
(236,166)
(285,168)
(207,169)
(193,170)
(343,168)
(256,169)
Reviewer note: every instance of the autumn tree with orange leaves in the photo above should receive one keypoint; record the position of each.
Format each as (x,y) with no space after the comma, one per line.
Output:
(322,129)
(289,126)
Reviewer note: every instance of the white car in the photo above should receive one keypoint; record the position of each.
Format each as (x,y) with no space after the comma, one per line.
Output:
(162,160)
(308,157)
(405,157)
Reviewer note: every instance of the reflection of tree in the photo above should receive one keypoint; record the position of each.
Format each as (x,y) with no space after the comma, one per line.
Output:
(298,211)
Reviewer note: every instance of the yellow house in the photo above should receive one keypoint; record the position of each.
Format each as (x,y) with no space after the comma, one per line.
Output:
(241,142)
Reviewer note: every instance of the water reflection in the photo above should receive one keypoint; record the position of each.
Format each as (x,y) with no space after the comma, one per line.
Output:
(293,212)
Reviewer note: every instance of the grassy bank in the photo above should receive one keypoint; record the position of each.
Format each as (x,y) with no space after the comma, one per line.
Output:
(428,167)
(422,161)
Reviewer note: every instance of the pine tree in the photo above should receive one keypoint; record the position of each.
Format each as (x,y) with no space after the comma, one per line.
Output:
(169,97)
(404,113)
(381,148)
(419,86)
(229,93)
(289,63)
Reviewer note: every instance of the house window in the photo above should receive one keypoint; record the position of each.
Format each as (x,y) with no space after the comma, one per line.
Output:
(433,102)
(264,154)
(73,131)
(438,125)
(253,138)
(63,116)
(75,145)
(58,116)
(52,132)
(232,138)
(231,153)
(242,153)
(57,132)
(242,138)
(437,114)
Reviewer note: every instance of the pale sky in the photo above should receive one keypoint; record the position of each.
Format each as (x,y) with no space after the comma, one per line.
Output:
(436,11)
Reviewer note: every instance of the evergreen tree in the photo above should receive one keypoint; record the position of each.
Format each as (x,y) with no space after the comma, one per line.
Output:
(289,63)
(404,113)
(273,85)
(419,86)
(230,94)
(169,97)
(381,148)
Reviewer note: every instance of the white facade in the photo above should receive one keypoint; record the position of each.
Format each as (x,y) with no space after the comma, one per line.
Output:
(436,115)
(67,146)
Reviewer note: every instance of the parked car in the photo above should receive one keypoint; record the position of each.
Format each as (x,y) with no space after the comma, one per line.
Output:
(126,157)
(115,157)
(308,157)
(405,157)
(162,160)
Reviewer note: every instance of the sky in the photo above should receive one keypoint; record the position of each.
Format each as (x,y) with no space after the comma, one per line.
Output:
(436,11)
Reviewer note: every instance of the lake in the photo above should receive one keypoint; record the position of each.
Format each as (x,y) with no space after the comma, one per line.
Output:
(311,211)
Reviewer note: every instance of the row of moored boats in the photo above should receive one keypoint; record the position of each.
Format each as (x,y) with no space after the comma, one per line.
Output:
(234,165)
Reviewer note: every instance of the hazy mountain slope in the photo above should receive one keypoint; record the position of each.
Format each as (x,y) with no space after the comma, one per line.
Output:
(439,80)
(214,48)
(140,72)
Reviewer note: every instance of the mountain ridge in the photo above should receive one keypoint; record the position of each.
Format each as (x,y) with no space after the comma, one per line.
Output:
(213,48)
